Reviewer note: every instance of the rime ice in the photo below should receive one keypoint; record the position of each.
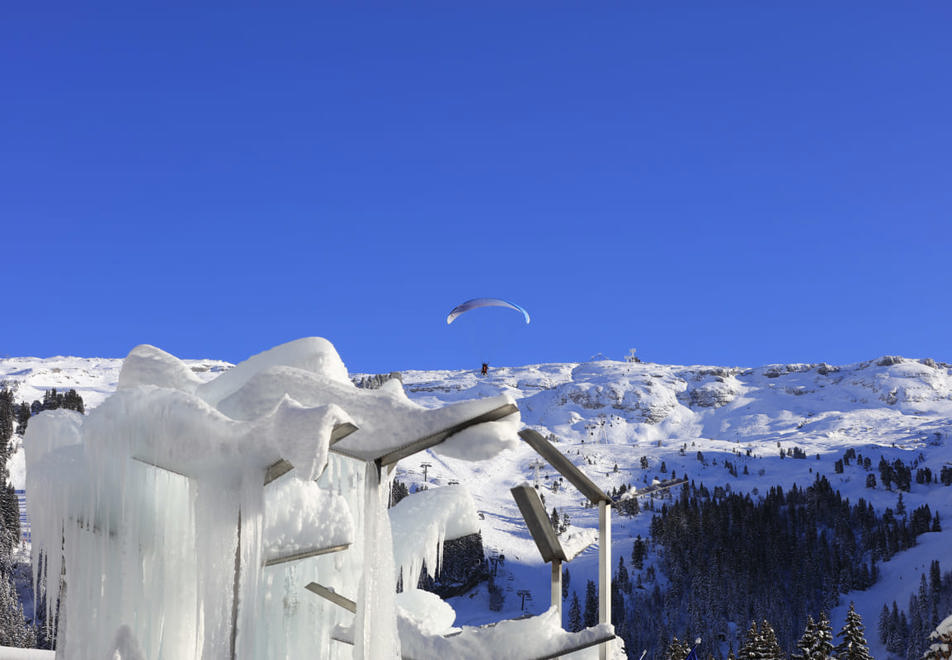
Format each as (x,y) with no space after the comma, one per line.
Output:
(158,499)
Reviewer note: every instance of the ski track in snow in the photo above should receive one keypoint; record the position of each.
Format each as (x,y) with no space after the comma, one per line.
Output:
(611,413)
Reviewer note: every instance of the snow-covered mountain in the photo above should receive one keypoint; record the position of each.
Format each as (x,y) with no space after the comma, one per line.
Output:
(608,416)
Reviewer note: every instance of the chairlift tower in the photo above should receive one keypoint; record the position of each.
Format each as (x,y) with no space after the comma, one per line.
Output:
(537,465)
(526,595)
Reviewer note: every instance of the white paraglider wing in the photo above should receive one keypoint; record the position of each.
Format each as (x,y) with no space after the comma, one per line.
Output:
(483,302)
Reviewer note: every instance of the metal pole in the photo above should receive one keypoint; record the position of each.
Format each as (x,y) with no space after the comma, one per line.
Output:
(604,570)
(557,588)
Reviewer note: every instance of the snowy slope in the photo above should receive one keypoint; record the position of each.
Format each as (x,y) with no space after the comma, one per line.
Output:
(609,413)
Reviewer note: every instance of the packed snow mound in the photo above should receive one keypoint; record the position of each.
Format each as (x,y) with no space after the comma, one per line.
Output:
(311,354)
(148,365)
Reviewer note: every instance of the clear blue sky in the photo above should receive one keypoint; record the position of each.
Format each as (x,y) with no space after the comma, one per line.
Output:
(740,184)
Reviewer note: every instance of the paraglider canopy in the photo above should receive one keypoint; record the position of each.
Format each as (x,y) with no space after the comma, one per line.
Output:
(483,302)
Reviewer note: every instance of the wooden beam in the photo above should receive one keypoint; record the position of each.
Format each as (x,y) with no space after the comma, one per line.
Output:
(160,467)
(565,467)
(393,454)
(538,523)
(664,485)
(304,554)
(333,596)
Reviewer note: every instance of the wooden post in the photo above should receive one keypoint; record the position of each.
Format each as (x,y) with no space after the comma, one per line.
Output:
(557,588)
(604,569)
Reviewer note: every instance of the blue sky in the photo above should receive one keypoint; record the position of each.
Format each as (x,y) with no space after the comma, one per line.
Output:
(741,184)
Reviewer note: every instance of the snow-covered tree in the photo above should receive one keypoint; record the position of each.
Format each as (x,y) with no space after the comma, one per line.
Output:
(14,631)
(760,643)
(817,640)
(940,647)
(807,641)
(853,645)
(824,637)
(676,650)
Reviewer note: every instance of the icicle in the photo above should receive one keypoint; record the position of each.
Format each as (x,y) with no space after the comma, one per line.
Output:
(375,627)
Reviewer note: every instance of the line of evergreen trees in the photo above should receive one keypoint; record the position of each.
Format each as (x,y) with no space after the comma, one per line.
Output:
(905,632)
(726,556)
(14,418)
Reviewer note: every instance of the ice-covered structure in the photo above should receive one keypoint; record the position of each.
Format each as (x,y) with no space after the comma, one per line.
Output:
(190,519)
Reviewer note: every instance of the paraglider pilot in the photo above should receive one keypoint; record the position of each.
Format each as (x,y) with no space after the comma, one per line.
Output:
(485,368)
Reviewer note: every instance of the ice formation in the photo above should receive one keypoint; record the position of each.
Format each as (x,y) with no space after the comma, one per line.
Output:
(157,527)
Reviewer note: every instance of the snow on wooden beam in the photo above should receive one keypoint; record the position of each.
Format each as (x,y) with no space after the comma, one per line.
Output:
(564,466)
(538,523)
(281,467)
(653,488)
(572,648)
(333,596)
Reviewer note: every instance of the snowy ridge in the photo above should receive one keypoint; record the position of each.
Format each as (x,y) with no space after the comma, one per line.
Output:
(607,413)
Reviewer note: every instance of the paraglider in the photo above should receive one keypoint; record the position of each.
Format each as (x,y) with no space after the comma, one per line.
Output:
(475,303)
(486,331)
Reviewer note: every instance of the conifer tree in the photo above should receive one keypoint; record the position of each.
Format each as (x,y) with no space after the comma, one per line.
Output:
(590,615)
(676,650)
(622,579)
(748,650)
(807,641)
(771,647)
(824,637)
(853,645)
(574,623)
(760,643)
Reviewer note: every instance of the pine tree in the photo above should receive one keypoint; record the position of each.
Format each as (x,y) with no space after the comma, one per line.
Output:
(638,552)
(590,615)
(771,647)
(824,638)
(749,649)
(574,623)
(676,650)
(853,645)
(807,641)
(760,643)
(14,630)
(622,579)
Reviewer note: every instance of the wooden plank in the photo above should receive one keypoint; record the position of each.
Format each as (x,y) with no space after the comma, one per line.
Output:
(564,466)
(304,554)
(277,469)
(392,455)
(281,467)
(538,523)
(159,467)
(333,596)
